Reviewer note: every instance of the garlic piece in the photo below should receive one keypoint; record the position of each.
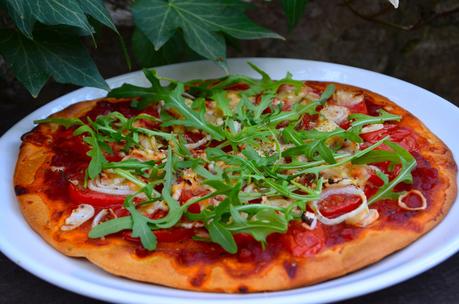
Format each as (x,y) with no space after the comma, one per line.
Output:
(78,217)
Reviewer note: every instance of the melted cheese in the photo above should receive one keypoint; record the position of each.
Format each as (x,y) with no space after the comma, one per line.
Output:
(348,98)
(337,114)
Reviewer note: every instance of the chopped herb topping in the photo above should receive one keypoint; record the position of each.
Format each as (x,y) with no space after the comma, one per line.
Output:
(253,168)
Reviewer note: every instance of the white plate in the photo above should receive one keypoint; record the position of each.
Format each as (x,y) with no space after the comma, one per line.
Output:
(29,251)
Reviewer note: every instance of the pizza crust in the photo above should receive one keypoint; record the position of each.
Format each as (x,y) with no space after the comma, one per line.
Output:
(283,272)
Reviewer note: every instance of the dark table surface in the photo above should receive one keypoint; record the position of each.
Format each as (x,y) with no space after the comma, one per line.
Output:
(438,285)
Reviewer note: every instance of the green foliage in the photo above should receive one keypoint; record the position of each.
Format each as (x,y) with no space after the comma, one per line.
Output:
(202,23)
(51,54)
(47,40)
(294,9)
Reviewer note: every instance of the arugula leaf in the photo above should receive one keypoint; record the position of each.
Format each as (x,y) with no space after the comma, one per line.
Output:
(66,122)
(140,226)
(222,103)
(262,224)
(191,118)
(97,157)
(284,190)
(317,169)
(408,163)
(377,156)
(360,120)
(326,94)
(246,165)
(147,96)
(132,163)
(266,101)
(326,153)
(300,109)
(220,235)
(175,211)
(110,227)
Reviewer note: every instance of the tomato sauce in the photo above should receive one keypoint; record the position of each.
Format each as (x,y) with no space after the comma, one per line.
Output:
(372,108)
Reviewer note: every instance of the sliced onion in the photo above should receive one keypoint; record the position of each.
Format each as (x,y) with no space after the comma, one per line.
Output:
(365,218)
(344,190)
(78,217)
(102,213)
(403,205)
(115,189)
(190,225)
(199,143)
(372,128)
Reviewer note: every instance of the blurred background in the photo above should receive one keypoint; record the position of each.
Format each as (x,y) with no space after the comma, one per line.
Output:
(418,42)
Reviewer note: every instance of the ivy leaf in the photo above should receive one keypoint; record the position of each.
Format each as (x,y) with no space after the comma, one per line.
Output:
(52,54)
(64,12)
(294,10)
(202,23)
(97,10)
(21,15)
(175,50)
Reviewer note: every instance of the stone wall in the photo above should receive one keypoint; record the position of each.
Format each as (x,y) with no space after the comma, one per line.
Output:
(425,52)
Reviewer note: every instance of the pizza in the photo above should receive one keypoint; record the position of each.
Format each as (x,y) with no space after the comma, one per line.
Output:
(233,184)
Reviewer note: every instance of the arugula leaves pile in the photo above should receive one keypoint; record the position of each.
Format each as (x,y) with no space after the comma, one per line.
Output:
(259,135)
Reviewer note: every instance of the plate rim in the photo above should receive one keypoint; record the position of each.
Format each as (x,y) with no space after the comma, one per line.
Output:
(387,277)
